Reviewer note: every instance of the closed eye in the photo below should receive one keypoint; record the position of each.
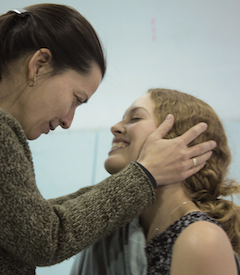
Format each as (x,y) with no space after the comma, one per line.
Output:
(135,119)
(79,100)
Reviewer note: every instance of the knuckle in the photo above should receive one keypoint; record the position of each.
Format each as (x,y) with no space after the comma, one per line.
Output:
(182,166)
(184,156)
(179,141)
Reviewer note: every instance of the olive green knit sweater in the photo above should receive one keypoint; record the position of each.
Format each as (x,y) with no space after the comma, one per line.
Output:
(39,232)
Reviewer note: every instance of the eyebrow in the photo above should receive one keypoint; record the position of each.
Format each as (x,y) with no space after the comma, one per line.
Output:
(135,109)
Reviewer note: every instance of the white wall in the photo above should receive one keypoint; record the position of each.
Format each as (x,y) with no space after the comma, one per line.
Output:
(196,51)
(189,45)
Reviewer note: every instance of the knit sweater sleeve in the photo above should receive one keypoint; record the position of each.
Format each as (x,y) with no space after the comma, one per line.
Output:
(41,232)
(62,199)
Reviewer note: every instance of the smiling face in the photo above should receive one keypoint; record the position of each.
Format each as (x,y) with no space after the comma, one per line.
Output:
(131,133)
(53,101)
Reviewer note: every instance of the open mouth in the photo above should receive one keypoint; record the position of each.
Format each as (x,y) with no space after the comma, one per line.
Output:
(51,127)
(119,145)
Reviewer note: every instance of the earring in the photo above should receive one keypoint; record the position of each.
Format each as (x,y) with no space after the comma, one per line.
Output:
(34,80)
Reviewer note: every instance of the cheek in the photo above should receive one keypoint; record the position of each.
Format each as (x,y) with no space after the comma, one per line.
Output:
(59,98)
(139,135)
(60,108)
(134,151)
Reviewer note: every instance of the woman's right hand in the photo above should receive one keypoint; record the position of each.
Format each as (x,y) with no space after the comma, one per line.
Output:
(171,160)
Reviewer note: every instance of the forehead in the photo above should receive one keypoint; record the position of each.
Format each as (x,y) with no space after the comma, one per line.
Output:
(91,81)
(143,101)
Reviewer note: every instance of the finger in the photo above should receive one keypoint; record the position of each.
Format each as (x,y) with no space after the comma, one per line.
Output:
(193,171)
(165,126)
(201,148)
(199,160)
(194,132)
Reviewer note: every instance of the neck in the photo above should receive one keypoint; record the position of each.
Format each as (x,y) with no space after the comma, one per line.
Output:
(12,84)
(168,208)
(10,92)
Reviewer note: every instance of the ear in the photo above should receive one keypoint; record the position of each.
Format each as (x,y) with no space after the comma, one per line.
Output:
(39,62)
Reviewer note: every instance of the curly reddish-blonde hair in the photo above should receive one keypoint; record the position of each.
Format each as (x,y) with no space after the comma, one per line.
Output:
(210,185)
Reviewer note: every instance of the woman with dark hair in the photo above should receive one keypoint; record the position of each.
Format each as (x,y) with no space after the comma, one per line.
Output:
(191,228)
(51,61)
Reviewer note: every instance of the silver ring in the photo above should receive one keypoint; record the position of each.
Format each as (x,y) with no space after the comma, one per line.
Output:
(194,162)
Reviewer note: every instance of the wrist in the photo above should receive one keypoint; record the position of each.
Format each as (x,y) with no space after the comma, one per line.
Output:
(150,176)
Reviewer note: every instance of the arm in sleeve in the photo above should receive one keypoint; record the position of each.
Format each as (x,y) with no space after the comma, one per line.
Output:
(62,199)
(42,232)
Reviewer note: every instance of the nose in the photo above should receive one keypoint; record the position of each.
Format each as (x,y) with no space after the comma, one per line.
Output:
(66,121)
(118,128)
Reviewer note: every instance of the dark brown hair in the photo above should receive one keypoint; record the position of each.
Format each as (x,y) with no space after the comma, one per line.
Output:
(70,38)
(210,185)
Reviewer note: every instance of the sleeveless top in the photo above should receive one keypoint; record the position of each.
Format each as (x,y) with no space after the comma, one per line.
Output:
(125,253)
(159,249)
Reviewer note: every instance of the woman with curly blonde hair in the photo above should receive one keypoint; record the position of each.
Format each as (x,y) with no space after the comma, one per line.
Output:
(191,229)
(208,187)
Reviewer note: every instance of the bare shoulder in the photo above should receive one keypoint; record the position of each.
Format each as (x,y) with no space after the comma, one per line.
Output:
(203,248)
(202,233)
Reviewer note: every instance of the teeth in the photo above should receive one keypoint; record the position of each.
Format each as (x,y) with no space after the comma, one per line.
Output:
(119,145)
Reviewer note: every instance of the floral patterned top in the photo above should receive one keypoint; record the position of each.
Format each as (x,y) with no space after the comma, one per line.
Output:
(159,249)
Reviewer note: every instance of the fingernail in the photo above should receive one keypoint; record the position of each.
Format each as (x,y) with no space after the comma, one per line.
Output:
(169,116)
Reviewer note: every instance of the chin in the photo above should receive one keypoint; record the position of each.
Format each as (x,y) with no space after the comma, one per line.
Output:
(113,167)
(33,135)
